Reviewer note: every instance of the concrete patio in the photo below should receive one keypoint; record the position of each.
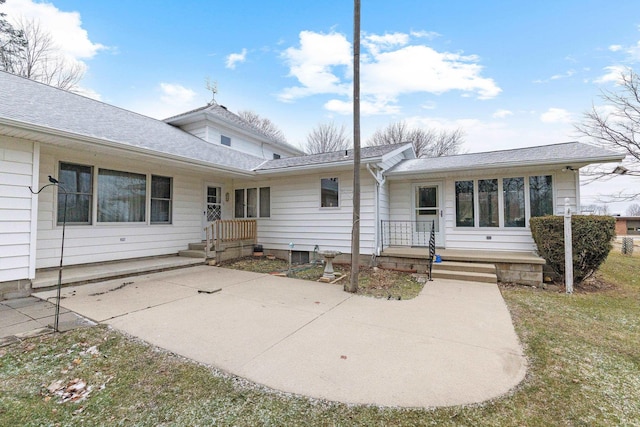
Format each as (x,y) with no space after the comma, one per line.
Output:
(453,344)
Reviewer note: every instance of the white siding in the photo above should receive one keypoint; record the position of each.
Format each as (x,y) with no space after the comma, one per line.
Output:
(17,158)
(107,242)
(296,215)
(481,238)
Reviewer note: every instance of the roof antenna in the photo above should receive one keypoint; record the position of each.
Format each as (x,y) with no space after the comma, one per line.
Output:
(213,88)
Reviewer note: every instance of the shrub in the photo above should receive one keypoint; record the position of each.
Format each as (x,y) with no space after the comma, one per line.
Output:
(591,240)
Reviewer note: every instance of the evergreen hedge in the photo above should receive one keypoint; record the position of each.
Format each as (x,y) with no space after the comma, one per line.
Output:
(592,237)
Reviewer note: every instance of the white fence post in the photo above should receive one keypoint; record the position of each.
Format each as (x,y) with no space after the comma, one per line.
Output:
(568,248)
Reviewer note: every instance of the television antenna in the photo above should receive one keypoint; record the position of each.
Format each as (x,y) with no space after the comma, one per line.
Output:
(213,88)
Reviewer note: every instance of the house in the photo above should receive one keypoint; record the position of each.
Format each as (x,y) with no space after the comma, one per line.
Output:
(140,187)
(628,226)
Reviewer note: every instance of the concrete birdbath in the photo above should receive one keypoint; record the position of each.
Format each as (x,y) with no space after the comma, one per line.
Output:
(328,266)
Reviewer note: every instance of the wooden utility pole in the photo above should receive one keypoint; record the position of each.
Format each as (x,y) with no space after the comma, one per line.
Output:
(352,286)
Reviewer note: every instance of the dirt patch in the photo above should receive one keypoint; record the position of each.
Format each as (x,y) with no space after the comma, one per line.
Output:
(374,282)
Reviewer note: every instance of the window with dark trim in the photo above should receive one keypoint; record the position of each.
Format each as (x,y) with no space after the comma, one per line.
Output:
(77,181)
(513,200)
(488,202)
(161,199)
(464,204)
(541,195)
(329,193)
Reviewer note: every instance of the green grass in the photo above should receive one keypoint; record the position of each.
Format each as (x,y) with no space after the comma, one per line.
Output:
(584,370)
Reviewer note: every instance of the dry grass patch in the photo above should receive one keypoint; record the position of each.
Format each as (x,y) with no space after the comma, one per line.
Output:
(373,282)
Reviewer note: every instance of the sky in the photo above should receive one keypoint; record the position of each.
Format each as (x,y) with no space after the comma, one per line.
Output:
(509,73)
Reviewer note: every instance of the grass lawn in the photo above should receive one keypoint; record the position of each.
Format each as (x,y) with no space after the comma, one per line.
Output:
(584,369)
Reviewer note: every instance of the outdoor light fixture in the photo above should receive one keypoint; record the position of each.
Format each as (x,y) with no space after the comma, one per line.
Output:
(55,182)
(568,168)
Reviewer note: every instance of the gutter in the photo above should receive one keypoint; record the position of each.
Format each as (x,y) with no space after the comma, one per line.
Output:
(608,159)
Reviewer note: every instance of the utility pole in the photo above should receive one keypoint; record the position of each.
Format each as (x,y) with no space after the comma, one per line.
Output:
(355,233)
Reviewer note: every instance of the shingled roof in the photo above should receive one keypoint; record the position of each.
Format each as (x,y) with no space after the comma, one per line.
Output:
(558,154)
(221,112)
(366,153)
(40,107)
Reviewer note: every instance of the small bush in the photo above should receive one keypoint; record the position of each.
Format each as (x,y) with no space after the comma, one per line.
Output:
(591,240)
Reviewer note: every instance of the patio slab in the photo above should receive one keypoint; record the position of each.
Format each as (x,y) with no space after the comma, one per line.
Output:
(454,344)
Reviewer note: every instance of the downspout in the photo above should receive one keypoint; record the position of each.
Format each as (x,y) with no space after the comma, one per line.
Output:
(379,183)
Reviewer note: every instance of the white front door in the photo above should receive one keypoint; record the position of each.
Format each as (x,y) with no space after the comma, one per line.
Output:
(427,212)
(212,205)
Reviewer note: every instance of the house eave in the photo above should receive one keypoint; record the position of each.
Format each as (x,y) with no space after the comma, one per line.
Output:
(317,167)
(43,134)
(579,162)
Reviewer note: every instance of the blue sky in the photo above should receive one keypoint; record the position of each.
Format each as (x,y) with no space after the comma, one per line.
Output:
(509,73)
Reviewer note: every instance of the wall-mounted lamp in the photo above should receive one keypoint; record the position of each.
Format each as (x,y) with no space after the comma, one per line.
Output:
(569,169)
(226,197)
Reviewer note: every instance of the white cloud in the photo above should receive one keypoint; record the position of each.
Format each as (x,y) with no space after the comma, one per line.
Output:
(313,65)
(176,94)
(430,35)
(615,48)
(502,114)
(556,115)
(565,75)
(65,27)
(612,75)
(236,58)
(391,65)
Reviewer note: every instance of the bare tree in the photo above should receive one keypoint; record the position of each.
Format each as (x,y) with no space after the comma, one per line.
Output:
(633,210)
(327,137)
(263,124)
(595,209)
(617,127)
(12,43)
(426,142)
(38,58)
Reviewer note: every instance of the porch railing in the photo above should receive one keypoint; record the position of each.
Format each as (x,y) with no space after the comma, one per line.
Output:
(406,233)
(224,231)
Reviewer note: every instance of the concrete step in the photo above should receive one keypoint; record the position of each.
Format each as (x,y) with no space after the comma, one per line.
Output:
(465,276)
(200,246)
(192,253)
(475,267)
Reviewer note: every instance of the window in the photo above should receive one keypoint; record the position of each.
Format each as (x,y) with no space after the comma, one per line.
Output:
(513,197)
(464,204)
(77,180)
(488,202)
(329,190)
(160,200)
(265,202)
(225,140)
(121,196)
(541,195)
(252,202)
(276,156)
(239,203)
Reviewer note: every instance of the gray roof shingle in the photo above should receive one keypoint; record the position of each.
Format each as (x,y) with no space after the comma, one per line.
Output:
(569,152)
(221,112)
(366,153)
(29,102)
